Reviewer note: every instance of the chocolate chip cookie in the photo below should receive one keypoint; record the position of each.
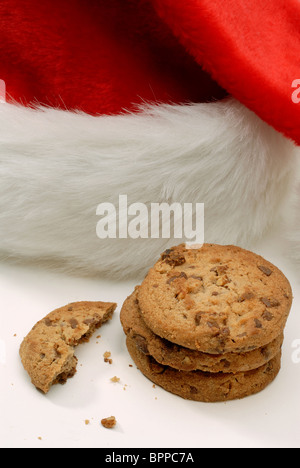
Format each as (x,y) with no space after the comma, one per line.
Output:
(181,358)
(47,352)
(205,386)
(217,299)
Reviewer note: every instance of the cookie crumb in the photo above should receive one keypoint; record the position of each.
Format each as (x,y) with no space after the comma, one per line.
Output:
(109,423)
(115,379)
(87,422)
(107,357)
(39,438)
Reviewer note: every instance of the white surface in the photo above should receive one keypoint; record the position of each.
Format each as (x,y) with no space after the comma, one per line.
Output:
(147,416)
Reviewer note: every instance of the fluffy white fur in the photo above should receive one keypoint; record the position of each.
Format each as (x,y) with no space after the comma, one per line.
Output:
(57,166)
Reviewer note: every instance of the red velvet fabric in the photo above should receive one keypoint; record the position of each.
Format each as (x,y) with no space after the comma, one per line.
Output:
(99,56)
(251,47)
(105,56)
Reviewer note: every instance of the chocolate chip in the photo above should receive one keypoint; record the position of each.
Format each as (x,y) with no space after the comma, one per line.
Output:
(141,344)
(275,303)
(258,324)
(269,302)
(246,297)
(198,319)
(70,309)
(223,335)
(173,278)
(242,335)
(170,280)
(220,270)
(90,321)
(267,316)
(198,278)
(269,368)
(213,324)
(193,390)
(265,301)
(173,258)
(48,322)
(225,331)
(73,322)
(226,364)
(265,353)
(265,270)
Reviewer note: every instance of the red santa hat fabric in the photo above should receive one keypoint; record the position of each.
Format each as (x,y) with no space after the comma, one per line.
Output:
(252,48)
(102,56)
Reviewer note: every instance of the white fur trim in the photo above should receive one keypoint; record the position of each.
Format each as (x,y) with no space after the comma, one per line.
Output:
(57,166)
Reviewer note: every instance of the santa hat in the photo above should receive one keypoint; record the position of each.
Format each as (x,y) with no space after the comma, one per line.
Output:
(102,57)
(109,58)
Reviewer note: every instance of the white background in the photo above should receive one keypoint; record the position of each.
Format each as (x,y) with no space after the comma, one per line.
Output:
(146,416)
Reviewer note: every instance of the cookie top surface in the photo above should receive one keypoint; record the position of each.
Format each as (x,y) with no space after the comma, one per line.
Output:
(216,299)
(181,358)
(47,352)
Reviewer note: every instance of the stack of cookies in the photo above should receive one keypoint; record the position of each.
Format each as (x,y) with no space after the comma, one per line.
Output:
(208,324)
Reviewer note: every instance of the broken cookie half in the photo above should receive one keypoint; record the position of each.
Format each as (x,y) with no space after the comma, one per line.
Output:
(47,352)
